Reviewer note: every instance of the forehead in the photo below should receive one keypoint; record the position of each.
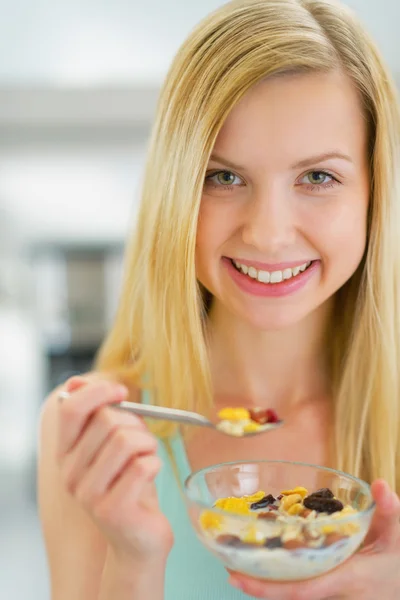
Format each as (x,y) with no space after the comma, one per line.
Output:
(286,118)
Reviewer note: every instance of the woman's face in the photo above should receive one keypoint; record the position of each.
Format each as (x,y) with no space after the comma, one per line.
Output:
(283,218)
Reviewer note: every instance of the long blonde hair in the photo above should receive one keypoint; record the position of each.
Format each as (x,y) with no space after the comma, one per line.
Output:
(158,337)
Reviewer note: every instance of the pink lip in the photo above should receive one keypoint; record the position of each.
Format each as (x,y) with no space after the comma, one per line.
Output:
(269,266)
(284,288)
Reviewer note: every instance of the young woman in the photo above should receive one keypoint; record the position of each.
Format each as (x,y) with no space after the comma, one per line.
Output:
(264,271)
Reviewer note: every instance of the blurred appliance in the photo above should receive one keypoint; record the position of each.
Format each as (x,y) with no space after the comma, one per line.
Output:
(77,291)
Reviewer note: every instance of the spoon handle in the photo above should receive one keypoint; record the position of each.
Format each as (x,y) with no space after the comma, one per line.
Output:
(165,414)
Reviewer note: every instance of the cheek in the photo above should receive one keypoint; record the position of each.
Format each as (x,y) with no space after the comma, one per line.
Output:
(342,233)
(214,227)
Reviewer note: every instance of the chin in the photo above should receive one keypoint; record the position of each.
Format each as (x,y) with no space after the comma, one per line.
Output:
(273,321)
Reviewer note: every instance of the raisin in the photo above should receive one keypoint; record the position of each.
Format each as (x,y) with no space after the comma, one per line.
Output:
(321,504)
(266,501)
(323,493)
(272,543)
(229,540)
(234,541)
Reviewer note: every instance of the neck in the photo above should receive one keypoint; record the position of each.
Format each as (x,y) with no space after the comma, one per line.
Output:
(277,369)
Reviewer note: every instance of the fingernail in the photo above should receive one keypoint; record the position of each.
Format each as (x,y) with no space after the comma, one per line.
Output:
(236,583)
(63,395)
(122,391)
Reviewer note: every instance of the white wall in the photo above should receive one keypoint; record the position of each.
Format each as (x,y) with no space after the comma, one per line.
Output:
(125,41)
(78,86)
(72,192)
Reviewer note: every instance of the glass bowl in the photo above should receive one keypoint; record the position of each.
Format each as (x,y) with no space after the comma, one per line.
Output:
(279,546)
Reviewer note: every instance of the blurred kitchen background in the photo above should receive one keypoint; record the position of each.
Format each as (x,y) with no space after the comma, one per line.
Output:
(78,85)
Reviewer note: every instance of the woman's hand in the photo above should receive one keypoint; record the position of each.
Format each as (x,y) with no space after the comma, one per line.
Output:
(374,572)
(108,461)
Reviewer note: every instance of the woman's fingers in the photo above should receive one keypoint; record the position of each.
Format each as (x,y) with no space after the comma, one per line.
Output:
(75,412)
(336,584)
(98,429)
(128,488)
(108,461)
(75,383)
(124,445)
(385,527)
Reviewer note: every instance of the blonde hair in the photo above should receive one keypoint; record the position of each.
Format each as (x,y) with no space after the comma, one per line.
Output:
(158,338)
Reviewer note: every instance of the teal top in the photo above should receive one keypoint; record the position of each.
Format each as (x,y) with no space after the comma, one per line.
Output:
(193,573)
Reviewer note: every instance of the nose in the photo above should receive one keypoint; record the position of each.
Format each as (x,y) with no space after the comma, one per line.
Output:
(269,224)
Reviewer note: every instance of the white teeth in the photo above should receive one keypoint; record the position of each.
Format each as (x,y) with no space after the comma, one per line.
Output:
(287,273)
(253,272)
(275,276)
(263,276)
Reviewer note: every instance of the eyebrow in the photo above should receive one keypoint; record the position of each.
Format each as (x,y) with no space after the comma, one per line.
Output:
(306,162)
(321,158)
(226,162)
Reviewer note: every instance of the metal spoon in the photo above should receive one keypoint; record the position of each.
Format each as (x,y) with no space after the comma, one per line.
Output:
(188,418)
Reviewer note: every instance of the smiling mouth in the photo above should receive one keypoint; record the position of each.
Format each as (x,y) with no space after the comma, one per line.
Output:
(271,277)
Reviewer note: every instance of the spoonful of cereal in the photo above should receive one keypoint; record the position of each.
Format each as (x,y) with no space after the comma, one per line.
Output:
(237,422)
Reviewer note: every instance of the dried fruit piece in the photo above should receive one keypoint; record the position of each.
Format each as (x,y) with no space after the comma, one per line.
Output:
(229,540)
(259,415)
(347,510)
(272,416)
(323,493)
(235,542)
(272,543)
(271,515)
(263,502)
(294,544)
(321,504)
